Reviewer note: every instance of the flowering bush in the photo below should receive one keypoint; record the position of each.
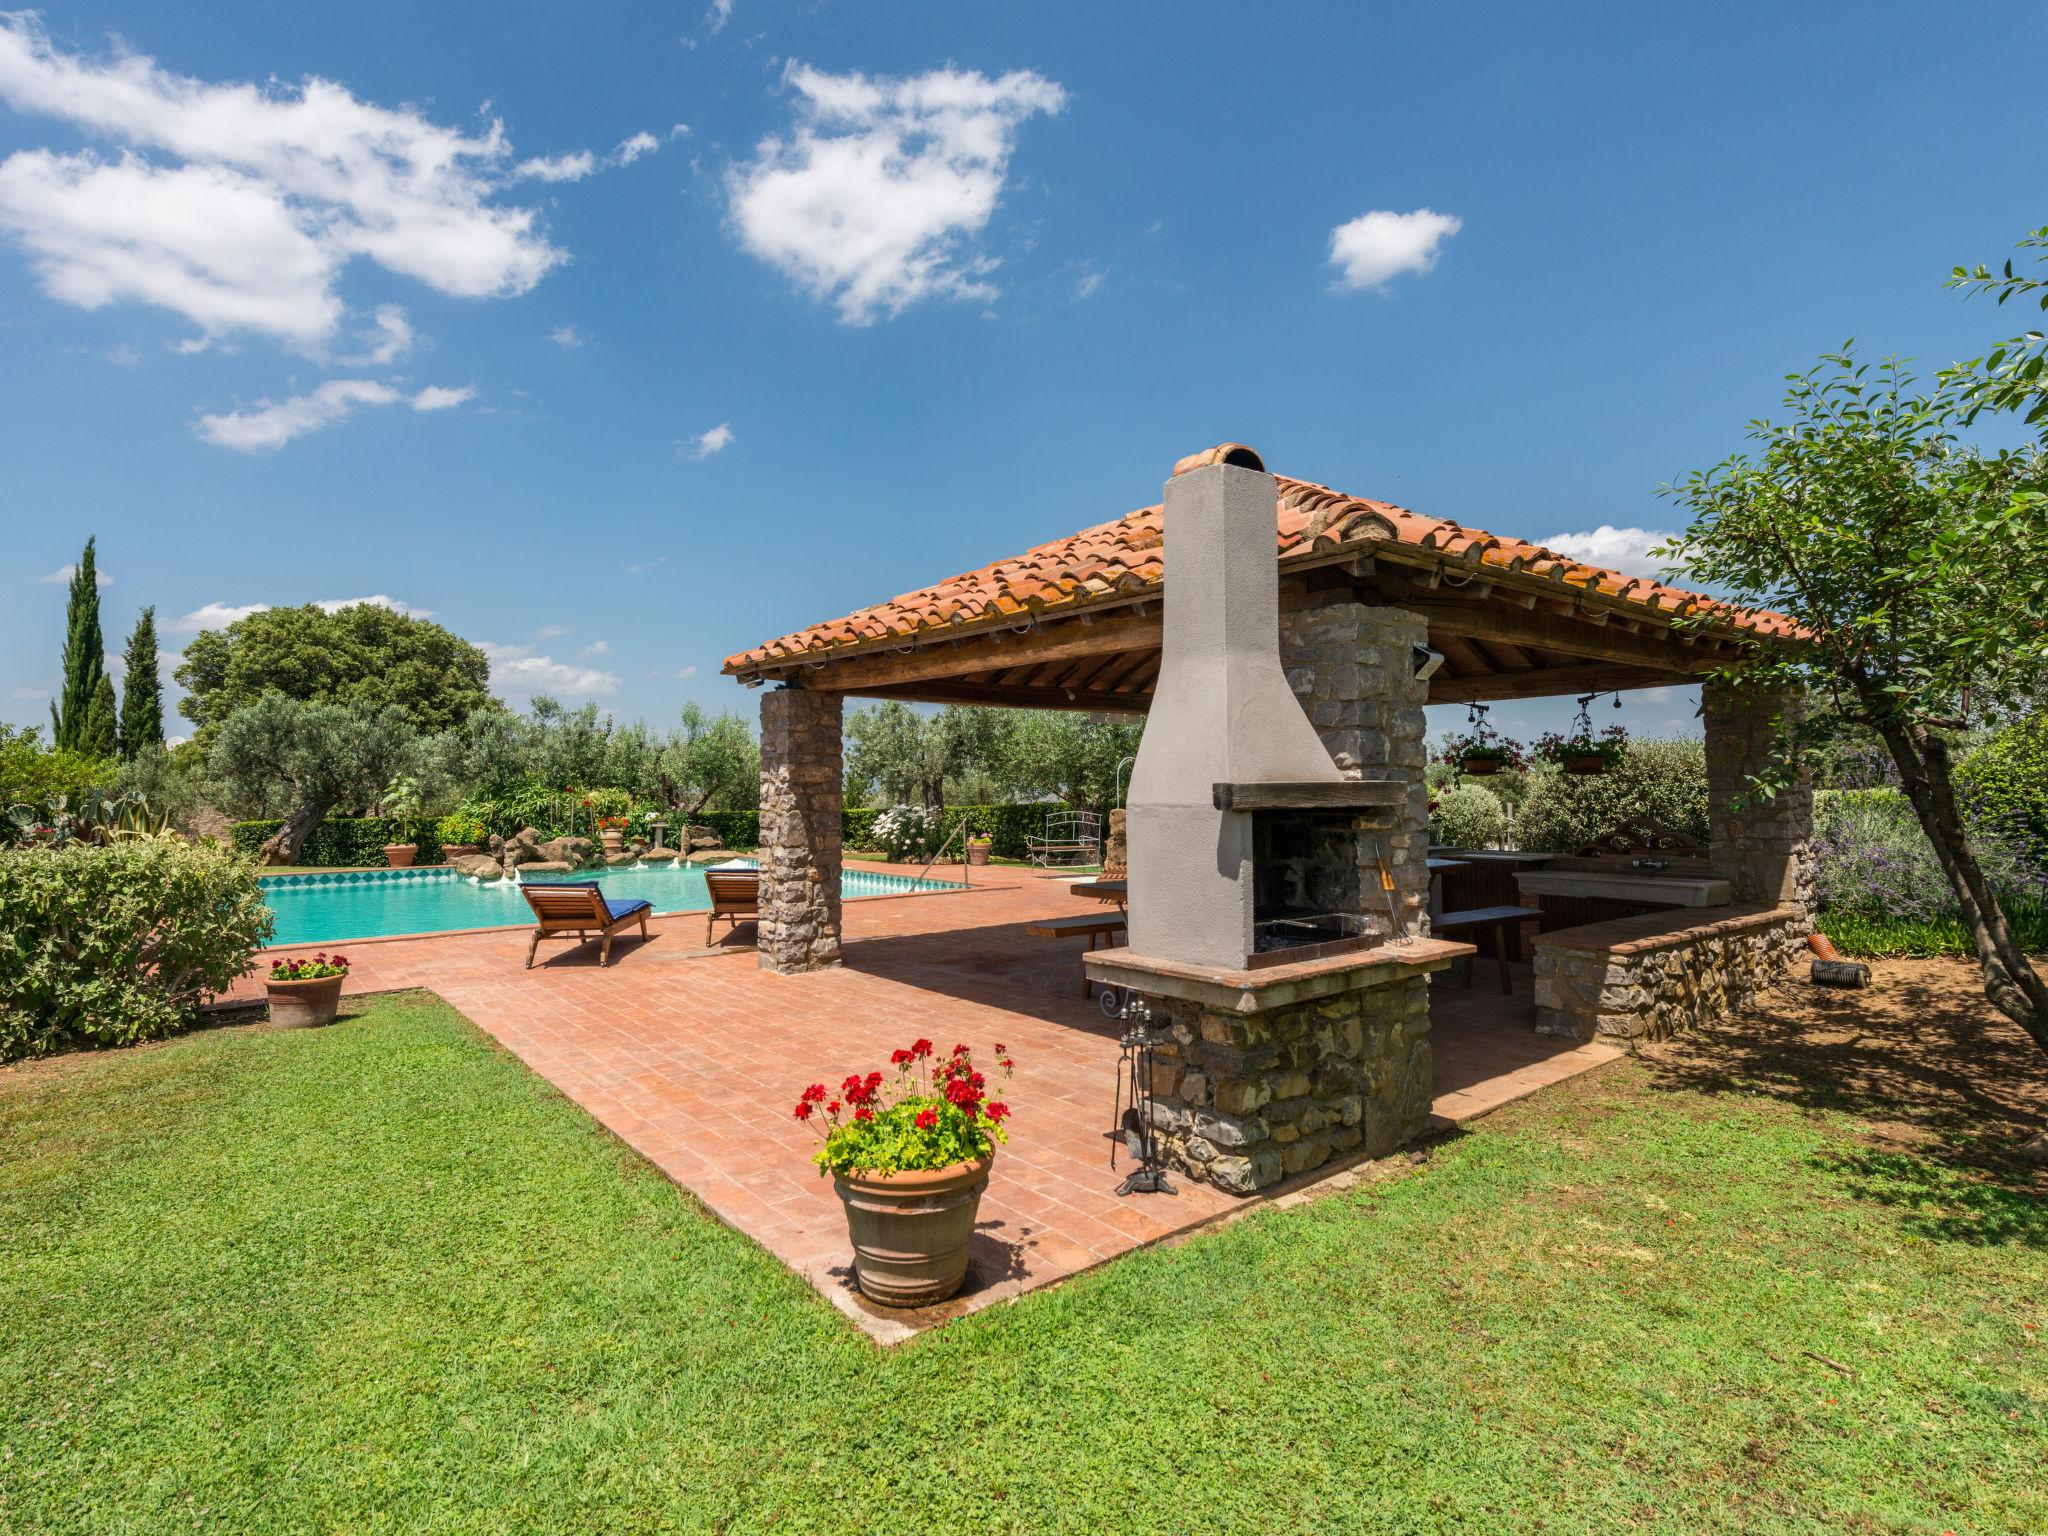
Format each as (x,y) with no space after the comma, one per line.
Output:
(1610,746)
(1485,742)
(321,965)
(612,823)
(932,1113)
(906,832)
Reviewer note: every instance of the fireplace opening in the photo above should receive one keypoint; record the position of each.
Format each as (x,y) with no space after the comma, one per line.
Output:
(1315,885)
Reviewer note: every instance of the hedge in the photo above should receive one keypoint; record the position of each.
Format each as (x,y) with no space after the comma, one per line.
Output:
(341,842)
(1006,825)
(110,945)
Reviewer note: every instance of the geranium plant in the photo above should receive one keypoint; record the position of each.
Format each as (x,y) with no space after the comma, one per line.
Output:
(930,1112)
(612,823)
(1583,752)
(1482,747)
(320,966)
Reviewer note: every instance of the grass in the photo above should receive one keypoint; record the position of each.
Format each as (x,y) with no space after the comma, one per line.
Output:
(1871,937)
(380,1278)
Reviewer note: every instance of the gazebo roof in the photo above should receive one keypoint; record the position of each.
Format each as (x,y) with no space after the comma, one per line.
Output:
(1500,608)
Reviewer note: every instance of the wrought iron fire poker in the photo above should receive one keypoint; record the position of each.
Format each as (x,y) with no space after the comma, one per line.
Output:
(1134,1124)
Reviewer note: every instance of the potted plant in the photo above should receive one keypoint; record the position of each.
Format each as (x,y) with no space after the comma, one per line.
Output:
(305,992)
(1583,752)
(459,836)
(1482,751)
(400,803)
(910,1159)
(978,846)
(612,830)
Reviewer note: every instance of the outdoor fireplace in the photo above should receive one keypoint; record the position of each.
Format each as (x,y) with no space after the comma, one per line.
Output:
(1290,1007)
(1244,838)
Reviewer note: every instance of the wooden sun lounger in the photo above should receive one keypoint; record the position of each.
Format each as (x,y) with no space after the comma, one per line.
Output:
(578,907)
(735,894)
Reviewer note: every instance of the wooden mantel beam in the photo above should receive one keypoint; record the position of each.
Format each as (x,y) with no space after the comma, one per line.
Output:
(1550,682)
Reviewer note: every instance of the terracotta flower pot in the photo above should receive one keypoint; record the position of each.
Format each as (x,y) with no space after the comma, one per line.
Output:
(298,1004)
(453,851)
(400,855)
(977,853)
(910,1231)
(1478,765)
(1590,762)
(614,840)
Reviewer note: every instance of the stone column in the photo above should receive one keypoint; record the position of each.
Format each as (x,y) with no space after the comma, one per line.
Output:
(803,792)
(1352,667)
(1764,848)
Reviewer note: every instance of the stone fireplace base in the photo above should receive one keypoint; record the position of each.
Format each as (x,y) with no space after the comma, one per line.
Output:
(1264,1074)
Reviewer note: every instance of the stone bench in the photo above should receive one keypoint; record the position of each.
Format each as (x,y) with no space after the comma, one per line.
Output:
(1650,976)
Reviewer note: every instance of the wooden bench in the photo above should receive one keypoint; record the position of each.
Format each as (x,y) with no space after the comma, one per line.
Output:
(579,908)
(1105,928)
(735,894)
(1475,922)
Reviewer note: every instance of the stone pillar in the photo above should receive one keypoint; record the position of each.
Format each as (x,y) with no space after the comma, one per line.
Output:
(803,793)
(1352,667)
(1764,848)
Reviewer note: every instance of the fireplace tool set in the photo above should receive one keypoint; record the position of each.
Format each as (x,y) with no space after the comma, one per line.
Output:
(1133,1102)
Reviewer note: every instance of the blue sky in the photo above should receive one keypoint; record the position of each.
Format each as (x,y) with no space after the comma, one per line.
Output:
(669,330)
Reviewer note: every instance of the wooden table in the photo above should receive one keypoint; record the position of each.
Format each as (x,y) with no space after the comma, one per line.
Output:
(1118,891)
(1436,884)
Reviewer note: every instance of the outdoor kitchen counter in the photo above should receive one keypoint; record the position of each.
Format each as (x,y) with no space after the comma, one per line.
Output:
(1277,986)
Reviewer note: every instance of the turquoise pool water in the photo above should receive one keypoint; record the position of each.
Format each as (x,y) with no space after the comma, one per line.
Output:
(324,909)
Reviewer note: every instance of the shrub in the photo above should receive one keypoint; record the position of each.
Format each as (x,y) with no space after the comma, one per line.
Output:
(110,945)
(459,829)
(1468,816)
(341,842)
(32,775)
(1663,780)
(2005,782)
(907,832)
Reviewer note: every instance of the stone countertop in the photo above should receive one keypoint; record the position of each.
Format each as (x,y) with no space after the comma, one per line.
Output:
(1668,890)
(1237,990)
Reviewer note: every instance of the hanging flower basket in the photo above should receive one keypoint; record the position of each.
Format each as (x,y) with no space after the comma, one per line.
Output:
(1584,753)
(1481,753)
(1479,764)
(1591,762)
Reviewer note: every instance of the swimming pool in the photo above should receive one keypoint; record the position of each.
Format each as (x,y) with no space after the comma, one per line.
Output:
(325,909)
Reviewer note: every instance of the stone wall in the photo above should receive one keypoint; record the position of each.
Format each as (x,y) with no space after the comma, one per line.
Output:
(1650,977)
(802,795)
(1242,1100)
(1765,850)
(1351,666)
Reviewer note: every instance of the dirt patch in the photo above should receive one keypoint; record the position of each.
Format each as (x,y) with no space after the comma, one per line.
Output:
(1920,1056)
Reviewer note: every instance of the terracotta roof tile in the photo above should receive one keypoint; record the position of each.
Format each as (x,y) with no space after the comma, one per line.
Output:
(1116,561)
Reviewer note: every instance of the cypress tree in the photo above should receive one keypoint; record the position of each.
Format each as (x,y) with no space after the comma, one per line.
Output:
(85,655)
(142,691)
(101,736)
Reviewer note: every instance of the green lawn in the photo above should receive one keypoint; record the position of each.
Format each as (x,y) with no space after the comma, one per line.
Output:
(379,1278)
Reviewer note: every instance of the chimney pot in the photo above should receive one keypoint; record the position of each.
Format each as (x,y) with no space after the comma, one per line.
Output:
(1237,455)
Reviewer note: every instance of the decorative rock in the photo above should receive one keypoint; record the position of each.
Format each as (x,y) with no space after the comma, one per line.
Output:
(547,867)
(575,852)
(479,866)
(614,860)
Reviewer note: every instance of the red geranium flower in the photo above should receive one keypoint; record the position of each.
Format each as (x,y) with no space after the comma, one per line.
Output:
(863,1113)
(803,1109)
(927,1119)
(815,1094)
(920,1047)
(997,1109)
(832,1108)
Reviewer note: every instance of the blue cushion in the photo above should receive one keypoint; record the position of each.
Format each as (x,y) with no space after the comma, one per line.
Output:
(619,909)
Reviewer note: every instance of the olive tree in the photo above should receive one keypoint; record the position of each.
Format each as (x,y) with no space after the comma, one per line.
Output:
(1917,567)
(303,760)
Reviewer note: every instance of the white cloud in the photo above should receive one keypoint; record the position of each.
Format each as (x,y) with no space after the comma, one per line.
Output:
(516,669)
(552,631)
(336,604)
(27,694)
(64,573)
(872,199)
(719,14)
(436,397)
(595,648)
(641,567)
(631,149)
(569,167)
(1378,246)
(686,672)
(388,339)
(1088,281)
(567,337)
(1626,550)
(237,206)
(271,424)
(705,444)
(211,616)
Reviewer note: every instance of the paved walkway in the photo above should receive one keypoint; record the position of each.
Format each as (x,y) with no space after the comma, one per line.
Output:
(693,1057)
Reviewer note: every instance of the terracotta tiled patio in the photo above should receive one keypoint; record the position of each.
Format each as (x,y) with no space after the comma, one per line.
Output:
(692,1057)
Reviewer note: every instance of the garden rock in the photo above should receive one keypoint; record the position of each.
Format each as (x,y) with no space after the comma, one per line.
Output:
(481,866)
(547,867)
(617,859)
(574,852)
